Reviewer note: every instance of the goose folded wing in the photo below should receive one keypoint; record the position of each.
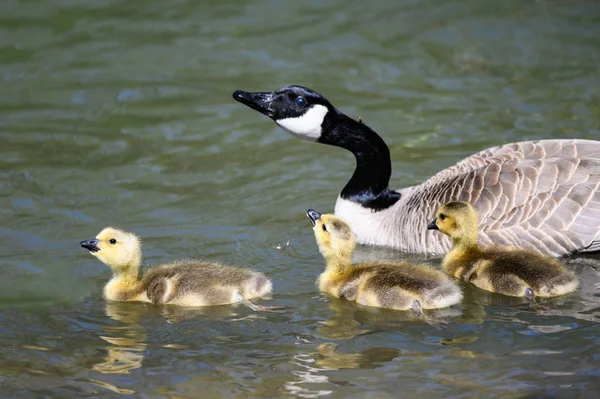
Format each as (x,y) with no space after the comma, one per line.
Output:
(542,195)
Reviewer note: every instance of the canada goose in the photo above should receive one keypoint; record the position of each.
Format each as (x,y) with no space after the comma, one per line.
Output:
(385,284)
(514,272)
(542,195)
(184,283)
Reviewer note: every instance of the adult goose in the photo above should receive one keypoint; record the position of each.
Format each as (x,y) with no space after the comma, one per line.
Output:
(541,195)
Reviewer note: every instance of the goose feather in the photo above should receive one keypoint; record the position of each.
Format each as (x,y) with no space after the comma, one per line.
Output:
(543,195)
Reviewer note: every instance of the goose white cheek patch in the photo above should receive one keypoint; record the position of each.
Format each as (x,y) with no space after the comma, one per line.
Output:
(306,126)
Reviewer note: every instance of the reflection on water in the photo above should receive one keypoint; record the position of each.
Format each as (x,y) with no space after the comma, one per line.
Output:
(342,323)
(126,348)
(308,378)
(328,358)
(120,113)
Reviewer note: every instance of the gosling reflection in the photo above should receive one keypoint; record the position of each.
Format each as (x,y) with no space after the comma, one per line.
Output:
(343,323)
(126,348)
(328,358)
(456,345)
(349,320)
(178,314)
(126,342)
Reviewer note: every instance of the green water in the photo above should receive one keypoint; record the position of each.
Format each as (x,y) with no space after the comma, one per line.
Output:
(120,113)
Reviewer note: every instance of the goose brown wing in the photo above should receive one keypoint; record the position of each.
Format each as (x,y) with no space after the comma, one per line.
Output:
(543,195)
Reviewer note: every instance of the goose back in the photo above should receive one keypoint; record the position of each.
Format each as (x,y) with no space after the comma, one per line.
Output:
(541,195)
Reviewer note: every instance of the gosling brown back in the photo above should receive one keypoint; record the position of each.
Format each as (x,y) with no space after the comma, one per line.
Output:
(387,284)
(514,272)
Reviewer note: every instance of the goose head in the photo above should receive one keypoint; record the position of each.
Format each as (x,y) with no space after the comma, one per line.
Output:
(297,109)
(333,235)
(457,220)
(116,248)
(310,116)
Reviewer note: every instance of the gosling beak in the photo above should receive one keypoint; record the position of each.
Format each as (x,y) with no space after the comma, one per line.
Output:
(259,101)
(90,245)
(433,225)
(313,216)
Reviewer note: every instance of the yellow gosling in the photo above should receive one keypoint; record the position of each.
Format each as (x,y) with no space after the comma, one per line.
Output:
(384,284)
(508,271)
(183,283)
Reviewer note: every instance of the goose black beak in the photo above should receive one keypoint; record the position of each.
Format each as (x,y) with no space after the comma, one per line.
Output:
(90,245)
(259,101)
(433,225)
(313,216)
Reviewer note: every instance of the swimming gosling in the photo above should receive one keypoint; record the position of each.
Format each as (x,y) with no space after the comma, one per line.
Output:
(508,271)
(384,284)
(183,283)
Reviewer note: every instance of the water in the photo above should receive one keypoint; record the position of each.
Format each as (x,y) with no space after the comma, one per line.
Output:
(120,113)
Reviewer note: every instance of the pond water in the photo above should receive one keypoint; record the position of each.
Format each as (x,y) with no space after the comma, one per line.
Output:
(120,113)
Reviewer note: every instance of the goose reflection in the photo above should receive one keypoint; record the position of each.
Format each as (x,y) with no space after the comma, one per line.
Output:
(327,357)
(126,346)
(178,314)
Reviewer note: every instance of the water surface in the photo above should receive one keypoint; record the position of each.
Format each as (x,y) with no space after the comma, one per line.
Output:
(120,113)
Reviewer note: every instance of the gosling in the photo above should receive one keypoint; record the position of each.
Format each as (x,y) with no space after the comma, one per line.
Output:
(508,271)
(384,284)
(183,283)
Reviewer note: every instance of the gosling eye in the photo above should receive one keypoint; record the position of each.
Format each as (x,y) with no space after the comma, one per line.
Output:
(324,227)
(112,241)
(300,101)
(442,216)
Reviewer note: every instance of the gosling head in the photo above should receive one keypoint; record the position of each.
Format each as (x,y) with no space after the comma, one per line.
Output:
(299,110)
(334,236)
(456,219)
(116,248)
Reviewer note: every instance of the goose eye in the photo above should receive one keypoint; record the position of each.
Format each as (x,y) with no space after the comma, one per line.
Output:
(301,101)
(112,241)
(442,216)
(324,227)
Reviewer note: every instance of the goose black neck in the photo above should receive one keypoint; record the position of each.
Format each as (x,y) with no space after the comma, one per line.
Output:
(369,185)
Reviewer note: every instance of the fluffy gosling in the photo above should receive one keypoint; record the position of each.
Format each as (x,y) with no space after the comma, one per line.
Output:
(508,271)
(183,283)
(385,284)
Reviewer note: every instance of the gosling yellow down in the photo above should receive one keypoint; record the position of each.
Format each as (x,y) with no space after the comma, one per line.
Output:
(508,271)
(384,284)
(183,283)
